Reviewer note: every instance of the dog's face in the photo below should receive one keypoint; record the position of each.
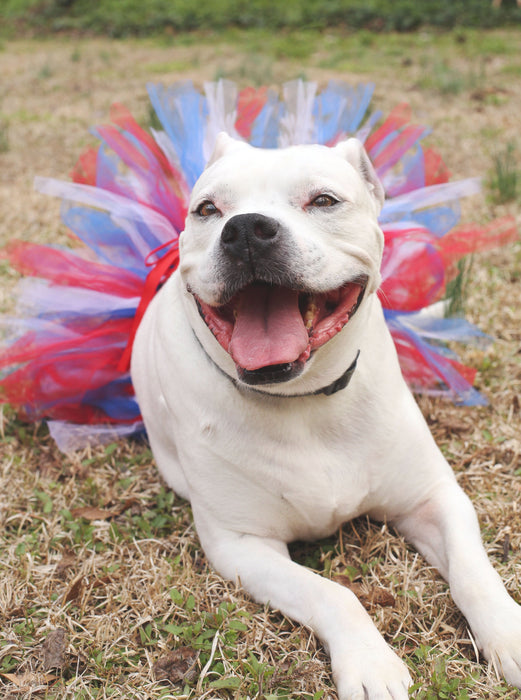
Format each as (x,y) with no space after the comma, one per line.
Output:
(280,249)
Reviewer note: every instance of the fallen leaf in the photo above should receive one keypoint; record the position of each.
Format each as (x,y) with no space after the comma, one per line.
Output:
(75,590)
(103,581)
(132,501)
(178,666)
(369,596)
(53,649)
(382,597)
(95,513)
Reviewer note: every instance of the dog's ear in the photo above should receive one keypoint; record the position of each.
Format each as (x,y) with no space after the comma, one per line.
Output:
(354,152)
(224,143)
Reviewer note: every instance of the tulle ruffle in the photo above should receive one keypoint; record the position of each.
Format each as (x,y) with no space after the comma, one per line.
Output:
(62,349)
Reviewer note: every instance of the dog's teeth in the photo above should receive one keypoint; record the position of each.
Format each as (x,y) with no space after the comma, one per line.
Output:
(235,314)
(309,316)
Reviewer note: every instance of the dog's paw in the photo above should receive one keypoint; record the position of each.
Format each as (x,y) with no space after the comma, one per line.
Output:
(372,675)
(499,638)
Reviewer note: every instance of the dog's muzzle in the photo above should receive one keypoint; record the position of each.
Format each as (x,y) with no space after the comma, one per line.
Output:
(267,323)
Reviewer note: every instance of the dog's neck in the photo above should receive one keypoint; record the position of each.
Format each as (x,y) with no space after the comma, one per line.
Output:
(336,385)
(341,382)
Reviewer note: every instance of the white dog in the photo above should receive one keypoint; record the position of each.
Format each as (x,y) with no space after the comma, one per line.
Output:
(273,400)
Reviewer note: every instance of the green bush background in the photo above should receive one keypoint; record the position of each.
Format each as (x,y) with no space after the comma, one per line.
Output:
(144,17)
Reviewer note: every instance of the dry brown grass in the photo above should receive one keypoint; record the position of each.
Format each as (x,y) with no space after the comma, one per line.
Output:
(106,577)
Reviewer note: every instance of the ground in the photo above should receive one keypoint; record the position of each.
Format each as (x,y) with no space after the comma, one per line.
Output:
(105,591)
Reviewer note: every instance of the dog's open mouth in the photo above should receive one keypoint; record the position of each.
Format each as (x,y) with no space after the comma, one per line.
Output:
(271,331)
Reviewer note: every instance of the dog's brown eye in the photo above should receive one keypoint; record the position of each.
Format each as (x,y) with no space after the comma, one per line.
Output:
(323,200)
(207,208)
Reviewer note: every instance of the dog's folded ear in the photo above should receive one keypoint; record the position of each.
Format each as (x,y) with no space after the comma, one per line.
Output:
(224,143)
(354,152)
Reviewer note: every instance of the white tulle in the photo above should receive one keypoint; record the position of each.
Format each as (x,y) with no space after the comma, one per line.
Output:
(297,123)
(426,197)
(222,113)
(36,296)
(70,437)
(121,208)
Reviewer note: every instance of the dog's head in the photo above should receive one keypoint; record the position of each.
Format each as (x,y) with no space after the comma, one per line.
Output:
(281,248)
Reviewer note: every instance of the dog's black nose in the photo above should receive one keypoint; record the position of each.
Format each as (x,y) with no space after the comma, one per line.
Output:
(245,236)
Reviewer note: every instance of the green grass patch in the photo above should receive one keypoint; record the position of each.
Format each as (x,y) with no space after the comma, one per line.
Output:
(504,180)
(512,69)
(171,66)
(448,79)
(457,288)
(440,685)
(132,17)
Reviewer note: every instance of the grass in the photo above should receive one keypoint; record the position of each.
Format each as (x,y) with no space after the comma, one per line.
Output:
(505,179)
(62,529)
(128,17)
(442,687)
(94,544)
(458,288)
(450,80)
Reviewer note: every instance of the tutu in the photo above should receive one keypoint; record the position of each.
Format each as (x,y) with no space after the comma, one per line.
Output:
(65,351)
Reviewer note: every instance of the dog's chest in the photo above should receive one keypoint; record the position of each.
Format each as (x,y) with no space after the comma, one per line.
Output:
(293,474)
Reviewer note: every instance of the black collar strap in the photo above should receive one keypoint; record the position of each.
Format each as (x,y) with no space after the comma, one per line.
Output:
(341,382)
(328,390)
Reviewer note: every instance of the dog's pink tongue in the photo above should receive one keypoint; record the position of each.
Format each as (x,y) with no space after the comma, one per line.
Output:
(269,329)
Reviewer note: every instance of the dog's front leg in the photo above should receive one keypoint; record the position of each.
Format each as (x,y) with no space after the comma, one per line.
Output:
(364,667)
(444,528)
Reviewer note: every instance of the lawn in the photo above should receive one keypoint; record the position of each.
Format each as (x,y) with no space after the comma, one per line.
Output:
(123,18)
(104,590)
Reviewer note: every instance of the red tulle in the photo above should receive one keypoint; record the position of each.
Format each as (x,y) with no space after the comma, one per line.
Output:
(400,116)
(391,154)
(121,117)
(62,372)
(417,266)
(84,172)
(413,273)
(87,330)
(66,268)
(468,238)
(436,172)
(250,104)
(417,371)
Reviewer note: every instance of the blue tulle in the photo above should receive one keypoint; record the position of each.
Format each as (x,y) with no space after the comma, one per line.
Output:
(337,111)
(183,112)
(107,240)
(265,128)
(115,400)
